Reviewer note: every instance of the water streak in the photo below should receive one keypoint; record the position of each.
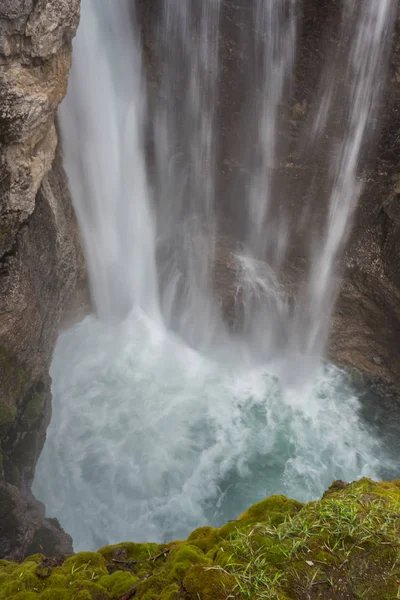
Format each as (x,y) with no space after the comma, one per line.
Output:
(101,122)
(352,94)
(275,43)
(185,144)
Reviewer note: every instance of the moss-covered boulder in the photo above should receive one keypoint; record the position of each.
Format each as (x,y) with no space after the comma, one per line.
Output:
(346,545)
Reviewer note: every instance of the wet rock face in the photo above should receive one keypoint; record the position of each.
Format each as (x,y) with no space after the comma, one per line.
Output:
(40,255)
(365,329)
(366,325)
(23,529)
(36,28)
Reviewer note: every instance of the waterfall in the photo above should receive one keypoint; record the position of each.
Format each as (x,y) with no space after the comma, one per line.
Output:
(128,227)
(275,42)
(164,418)
(102,126)
(264,308)
(353,90)
(185,146)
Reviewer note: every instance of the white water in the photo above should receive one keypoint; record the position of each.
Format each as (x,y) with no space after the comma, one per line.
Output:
(102,125)
(356,86)
(185,139)
(275,44)
(151,437)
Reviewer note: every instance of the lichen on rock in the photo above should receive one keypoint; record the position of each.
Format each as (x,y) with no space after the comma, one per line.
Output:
(346,545)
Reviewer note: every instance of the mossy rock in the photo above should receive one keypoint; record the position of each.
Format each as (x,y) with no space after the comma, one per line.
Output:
(118,583)
(273,509)
(345,545)
(44,541)
(7,416)
(26,451)
(208,583)
(33,411)
(171,592)
(14,377)
(6,503)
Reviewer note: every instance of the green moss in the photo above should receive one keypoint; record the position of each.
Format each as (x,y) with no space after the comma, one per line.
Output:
(270,508)
(204,538)
(35,559)
(152,585)
(182,558)
(348,542)
(95,590)
(15,378)
(33,410)
(118,583)
(171,592)
(150,595)
(83,595)
(11,588)
(55,594)
(7,566)
(204,583)
(7,416)
(85,559)
(130,551)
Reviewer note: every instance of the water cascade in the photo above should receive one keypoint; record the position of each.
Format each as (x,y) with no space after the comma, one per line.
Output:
(353,90)
(164,419)
(109,183)
(185,140)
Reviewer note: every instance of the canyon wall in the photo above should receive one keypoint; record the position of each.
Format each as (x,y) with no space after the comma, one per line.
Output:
(365,328)
(40,256)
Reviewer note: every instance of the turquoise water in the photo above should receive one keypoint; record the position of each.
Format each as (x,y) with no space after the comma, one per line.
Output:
(150,439)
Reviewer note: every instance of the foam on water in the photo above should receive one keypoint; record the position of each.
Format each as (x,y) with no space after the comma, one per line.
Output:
(150,439)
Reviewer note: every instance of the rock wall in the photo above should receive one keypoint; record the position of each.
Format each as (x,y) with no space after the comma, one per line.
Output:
(40,255)
(365,329)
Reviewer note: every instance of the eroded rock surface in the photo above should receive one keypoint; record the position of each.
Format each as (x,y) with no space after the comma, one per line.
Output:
(40,255)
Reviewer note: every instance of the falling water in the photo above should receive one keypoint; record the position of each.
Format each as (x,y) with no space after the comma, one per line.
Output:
(162,420)
(275,43)
(261,295)
(102,136)
(366,28)
(185,140)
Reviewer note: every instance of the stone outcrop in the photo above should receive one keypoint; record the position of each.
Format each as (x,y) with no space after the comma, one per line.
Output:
(40,255)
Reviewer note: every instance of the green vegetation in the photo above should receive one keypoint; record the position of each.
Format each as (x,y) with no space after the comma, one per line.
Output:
(7,415)
(346,545)
(33,411)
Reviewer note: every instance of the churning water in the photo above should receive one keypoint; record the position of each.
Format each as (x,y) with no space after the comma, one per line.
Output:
(149,439)
(163,419)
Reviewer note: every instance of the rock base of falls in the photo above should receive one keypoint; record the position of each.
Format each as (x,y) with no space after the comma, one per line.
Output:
(345,545)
